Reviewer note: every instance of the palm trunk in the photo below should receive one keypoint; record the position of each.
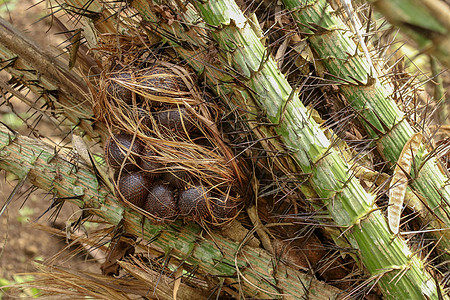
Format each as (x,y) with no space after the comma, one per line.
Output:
(348,203)
(401,273)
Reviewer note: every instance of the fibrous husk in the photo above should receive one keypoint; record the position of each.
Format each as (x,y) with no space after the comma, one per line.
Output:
(159,107)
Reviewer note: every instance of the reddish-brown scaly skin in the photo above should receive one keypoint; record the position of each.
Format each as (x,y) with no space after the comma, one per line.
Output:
(162,82)
(150,165)
(161,202)
(116,149)
(138,115)
(222,208)
(134,187)
(178,179)
(192,202)
(176,120)
(116,91)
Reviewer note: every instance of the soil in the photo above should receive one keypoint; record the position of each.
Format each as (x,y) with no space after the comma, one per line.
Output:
(21,243)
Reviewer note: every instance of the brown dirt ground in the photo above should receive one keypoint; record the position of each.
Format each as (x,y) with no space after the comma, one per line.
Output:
(21,244)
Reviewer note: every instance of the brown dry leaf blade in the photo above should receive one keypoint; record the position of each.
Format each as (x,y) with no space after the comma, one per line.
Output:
(159,284)
(399,182)
(177,283)
(117,251)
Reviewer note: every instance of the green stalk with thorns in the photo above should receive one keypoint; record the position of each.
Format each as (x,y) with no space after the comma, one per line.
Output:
(401,274)
(372,100)
(348,203)
(211,253)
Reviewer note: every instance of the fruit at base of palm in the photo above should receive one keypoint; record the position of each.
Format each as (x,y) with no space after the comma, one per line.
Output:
(192,202)
(178,179)
(116,149)
(138,115)
(117,91)
(222,208)
(149,165)
(133,187)
(162,83)
(176,120)
(161,201)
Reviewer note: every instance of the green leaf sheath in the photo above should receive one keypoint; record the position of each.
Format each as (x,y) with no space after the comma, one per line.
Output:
(348,203)
(370,97)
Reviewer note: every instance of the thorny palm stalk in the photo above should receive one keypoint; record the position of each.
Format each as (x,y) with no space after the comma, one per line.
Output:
(367,230)
(239,265)
(59,89)
(401,274)
(371,98)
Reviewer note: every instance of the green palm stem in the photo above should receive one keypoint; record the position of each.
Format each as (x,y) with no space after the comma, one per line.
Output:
(59,88)
(195,57)
(371,98)
(54,173)
(240,266)
(401,273)
(427,22)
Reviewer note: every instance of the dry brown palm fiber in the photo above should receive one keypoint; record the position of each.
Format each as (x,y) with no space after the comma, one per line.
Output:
(162,109)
